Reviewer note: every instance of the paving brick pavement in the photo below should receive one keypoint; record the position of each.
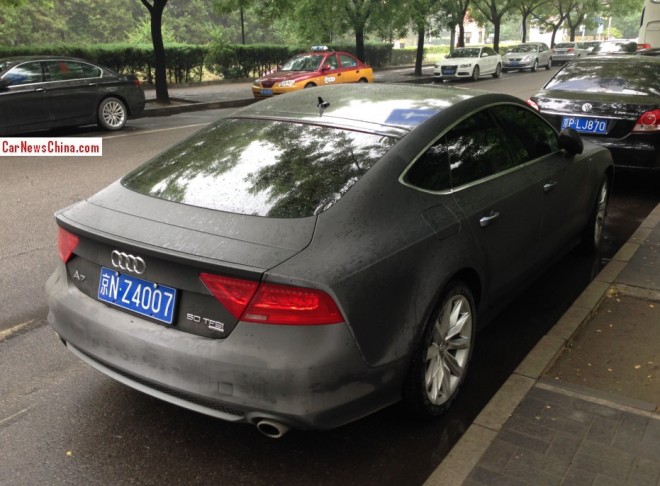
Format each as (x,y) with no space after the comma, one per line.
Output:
(559,435)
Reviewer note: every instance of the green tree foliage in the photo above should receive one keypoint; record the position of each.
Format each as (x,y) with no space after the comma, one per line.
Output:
(526,9)
(494,11)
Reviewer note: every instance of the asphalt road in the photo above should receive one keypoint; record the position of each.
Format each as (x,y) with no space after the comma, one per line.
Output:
(61,422)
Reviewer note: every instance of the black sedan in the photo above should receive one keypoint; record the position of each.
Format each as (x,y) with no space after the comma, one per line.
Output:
(322,254)
(47,92)
(614,102)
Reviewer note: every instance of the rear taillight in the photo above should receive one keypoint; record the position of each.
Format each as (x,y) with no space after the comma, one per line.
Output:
(268,303)
(137,82)
(648,122)
(66,243)
(532,104)
(570,49)
(644,45)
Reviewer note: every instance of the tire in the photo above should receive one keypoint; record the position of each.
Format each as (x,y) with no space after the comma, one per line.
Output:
(549,65)
(112,114)
(534,66)
(439,364)
(498,71)
(592,235)
(475,73)
(310,85)
(363,80)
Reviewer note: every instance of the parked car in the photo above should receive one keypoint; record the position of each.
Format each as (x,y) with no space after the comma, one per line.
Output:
(612,101)
(47,92)
(318,256)
(615,47)
(567,51)
(320,67)
(589,46)
(527,56)
(650,51)
(470,63)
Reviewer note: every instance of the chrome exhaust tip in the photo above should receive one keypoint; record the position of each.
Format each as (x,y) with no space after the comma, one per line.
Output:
(272,428)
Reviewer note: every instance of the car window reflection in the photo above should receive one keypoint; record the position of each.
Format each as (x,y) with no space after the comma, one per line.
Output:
(262,168)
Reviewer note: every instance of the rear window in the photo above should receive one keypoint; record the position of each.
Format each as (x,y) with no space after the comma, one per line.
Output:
(261,167)
(639,78)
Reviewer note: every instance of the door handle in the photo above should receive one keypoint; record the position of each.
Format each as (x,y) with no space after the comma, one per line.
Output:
(93,84)
(549,186)
(485,220)
(39,90)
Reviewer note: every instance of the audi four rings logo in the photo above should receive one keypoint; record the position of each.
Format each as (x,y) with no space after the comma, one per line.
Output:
(127,262)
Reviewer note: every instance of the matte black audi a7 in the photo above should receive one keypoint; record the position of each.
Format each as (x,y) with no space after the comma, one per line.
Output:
(321,255)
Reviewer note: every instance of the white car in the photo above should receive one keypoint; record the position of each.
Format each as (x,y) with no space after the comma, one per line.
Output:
(469,62)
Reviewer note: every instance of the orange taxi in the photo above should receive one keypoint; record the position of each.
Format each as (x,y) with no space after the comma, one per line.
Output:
(320,67)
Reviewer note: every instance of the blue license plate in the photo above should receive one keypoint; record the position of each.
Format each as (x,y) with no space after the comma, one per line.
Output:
(267,92)
(448,70)
(141,296)
(585,125)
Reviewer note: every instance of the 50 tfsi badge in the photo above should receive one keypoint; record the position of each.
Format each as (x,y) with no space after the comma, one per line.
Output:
(137,295)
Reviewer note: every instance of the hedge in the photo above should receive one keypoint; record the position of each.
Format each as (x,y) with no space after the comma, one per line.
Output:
(185,63)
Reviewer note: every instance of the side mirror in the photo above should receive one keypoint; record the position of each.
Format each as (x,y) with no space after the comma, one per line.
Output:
(571,141)
(326,67)
(485,54)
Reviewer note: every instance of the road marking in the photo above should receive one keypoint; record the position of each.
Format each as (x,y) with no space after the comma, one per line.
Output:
(7,419)
(7,333)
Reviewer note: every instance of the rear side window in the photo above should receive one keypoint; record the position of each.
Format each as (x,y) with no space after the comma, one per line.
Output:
(530,136)
(263,168)
(477,148)
(64,70)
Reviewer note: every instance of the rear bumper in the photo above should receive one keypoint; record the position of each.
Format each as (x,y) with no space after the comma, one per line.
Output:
(308,377)
(632,153)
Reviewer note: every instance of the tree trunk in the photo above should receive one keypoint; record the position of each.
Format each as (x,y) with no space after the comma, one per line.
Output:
(242,26)
(496,34)
(156,12)
(359,43)
(461,35)
(420,50)
(524,29)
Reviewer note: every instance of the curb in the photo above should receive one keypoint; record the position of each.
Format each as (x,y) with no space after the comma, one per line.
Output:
(467,452)
(193,106)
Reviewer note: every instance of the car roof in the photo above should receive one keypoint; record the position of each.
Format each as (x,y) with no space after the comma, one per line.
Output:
(623,58)
(17,59)
(387,109)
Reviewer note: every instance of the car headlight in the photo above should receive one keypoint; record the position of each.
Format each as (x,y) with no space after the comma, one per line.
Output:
(527,58)
(465,65)
(256,83)
(286,84)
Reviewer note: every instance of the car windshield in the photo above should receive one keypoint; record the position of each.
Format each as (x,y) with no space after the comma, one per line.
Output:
(523,48)
(259,167)
(466,52)
(608,77)
(303,62)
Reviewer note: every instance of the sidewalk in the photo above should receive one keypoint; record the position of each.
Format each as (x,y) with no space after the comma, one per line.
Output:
(583,407)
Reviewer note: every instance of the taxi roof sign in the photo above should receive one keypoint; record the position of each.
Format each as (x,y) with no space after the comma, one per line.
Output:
(320,48)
